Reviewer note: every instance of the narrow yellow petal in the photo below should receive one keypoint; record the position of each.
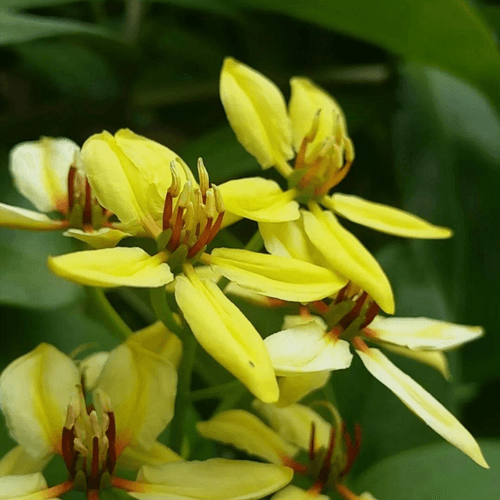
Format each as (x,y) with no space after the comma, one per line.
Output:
(20,218)
(227,335)
(100,238)
(417,399)
(40,170)
(423,333)
(307,348)
(348,256)
(35,390)
(246,432)
(294,424)
(257,113)
(305,101)
(259,199)
(386,219)
(112,267)
(142,388)
(296,493)
(18,461)
(293,389)
(434,359)
(12,487)
(159,454)
(280,277)
(214,479)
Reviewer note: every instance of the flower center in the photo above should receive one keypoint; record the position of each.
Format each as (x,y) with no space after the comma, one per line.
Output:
(191,216)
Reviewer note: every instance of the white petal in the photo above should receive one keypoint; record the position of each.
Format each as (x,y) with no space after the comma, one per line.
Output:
(12,487)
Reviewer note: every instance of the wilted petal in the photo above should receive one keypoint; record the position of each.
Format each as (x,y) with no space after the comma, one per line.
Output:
(274,276)
(435,359)
(142,388)
(259,199)
(257,113)
(305,101)
(35,390)
(227,335)
(112,267)
(295,493)
(13,487)
(386,219)
(217,479)
(294,423)
(415,397)
(293,389)
(159,454)
(423,333)
(20,218)
(348,256)
(246,432)
(307,348)
(100,238)
(40,170)
(17,462)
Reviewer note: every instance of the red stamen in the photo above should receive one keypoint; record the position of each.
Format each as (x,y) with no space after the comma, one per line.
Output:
(346,492)
(304,311)
(354,312)
(327,462)
(340,296)
(55,491)
(71,187)
(293,464)
(202,240)
(92,495)
(176,233)
(87,210)
(336,332)
(312,439)
(167,211)
(320,306)
(111,435)
(94,468)
(310,173)
(215,227)
(335,179)
(360,344)
(370,314)
(67,450)
(352,450)
(275,303)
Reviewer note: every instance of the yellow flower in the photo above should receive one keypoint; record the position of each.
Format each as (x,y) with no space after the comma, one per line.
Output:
(314,132)
(43,399)
(48,173)
(312,345)
(127,173)
(296,428)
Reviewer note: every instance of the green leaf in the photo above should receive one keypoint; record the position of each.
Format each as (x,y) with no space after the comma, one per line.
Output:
(29,4)
(15,28)
(447,143)
(448,34)
(436,471)
(73,69)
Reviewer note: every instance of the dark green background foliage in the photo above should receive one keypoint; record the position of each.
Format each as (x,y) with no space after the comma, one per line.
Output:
(420,85)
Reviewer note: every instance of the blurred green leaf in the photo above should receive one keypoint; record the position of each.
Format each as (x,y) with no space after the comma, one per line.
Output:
(448,34)
(29,4)
(73,69)
(437,471)
(15,28)
(491,15)
(447,144)
(220,7)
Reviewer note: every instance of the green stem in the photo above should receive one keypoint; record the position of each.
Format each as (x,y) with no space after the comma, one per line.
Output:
(107,314)
(217,391)
(133,14)
(231,400)
(163,311)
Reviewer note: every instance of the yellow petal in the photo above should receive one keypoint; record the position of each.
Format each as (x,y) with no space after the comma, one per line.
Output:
(348,256)
(118,184)
(386,219)
(305,101)
(417,399)
(142,388)
(435,359)
(112,267)
(295,493)
(20,218)
(274,276)
(366,496)
(294,423)
(12,487)
(227,335)
(159,454)
(423,333)
(257,113)
(100,238)
(35,390)
(259,199)
(246,432)
(91,368)
(40,170)
(307,348)
(215,479)
(293,389)
(17,462)
(291,321)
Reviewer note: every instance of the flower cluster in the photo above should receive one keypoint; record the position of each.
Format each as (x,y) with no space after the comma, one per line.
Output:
(103,414)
